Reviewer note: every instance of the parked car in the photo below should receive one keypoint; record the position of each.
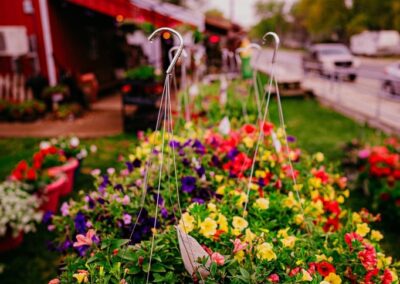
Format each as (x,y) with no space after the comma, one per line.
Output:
(331,59)
(391,82)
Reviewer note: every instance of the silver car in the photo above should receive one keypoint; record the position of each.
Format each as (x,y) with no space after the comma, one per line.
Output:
(331,59)
(391,82)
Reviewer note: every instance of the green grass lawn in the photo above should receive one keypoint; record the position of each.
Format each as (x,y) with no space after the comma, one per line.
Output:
(316,128)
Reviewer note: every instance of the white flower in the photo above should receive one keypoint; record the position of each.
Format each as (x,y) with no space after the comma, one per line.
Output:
(93,148)
(44,145)
(74,142)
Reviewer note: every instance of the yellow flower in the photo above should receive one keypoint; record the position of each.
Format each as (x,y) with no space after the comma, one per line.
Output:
(282,233)
(222,223)
(290,201)
(248,142)
(289,241)
(260,174)
(265,252)
(376,235)
(239,256)
(242,199)
(186,223)
(356,218)
(340,199)
(218,178)
(249,236)
(81,276)
(314,182)
(254,186)
(239,223)
(332,278)
(346,193)
(298,219)
(321,257)
(208,227)
(211,207)
(262,203)
(221,190)
(362,229)
(306,275)
(319,157)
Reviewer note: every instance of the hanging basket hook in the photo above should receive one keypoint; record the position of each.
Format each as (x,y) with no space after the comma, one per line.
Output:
(180,48)
(173,49)
(277,42)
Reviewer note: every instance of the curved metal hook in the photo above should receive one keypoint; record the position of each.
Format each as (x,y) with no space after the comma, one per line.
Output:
(252,45)
(180,48)
(172,49)
(277,42)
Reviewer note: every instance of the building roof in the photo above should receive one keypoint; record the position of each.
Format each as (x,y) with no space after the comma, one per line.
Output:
(179,13)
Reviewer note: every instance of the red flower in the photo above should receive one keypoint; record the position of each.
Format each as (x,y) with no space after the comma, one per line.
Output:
(349,238)
(17,174)
(294,271)
(312,267)
(249,129)
(22,166)
(31,174)
(274,278)
(217,234)
(324,268)
(267,128)
(368,257)
(387,277)
(321,174)
(331,225)
(368,277)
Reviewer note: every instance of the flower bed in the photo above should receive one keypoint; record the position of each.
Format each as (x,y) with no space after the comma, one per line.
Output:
(377,174)
(283,232)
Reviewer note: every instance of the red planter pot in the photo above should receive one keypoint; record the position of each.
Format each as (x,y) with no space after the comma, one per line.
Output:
(69,170)
(51,193)
(8,242)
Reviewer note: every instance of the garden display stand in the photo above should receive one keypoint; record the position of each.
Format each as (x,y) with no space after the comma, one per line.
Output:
(69,169)
(52,192)
(9,242)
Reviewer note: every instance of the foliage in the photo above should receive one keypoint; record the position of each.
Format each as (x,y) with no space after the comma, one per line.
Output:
(68,111)
(145,72)
(21,111)
(49,91)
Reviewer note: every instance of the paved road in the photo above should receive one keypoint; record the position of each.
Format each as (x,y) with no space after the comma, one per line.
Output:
(362,99)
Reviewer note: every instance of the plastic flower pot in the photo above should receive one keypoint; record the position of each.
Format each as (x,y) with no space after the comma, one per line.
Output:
(51,193)
(9,242)
(69,170)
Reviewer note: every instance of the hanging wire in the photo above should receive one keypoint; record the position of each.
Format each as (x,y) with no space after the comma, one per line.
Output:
(281,119)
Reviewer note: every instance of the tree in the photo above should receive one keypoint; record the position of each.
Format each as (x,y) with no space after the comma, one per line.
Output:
(272,18)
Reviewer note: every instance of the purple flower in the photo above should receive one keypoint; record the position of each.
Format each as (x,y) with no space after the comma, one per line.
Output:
(47,217)
(104,183)
(137,163)
(232,154)
(186,162)
(160,199)
(80,223)
(188,184)
(200,171)
(164,213)
(175,144)
(119,187)
(127,218)
(199,148)
(291,139)
(187,143)
(198,200)
(215,161)
(129,166)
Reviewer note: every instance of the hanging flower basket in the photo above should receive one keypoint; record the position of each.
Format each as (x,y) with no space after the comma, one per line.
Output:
(10,242)
(52,193)
(68,169)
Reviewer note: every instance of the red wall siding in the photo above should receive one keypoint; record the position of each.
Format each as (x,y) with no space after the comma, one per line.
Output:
(11,13)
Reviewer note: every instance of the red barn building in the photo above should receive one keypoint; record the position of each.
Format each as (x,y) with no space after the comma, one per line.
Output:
(78,36)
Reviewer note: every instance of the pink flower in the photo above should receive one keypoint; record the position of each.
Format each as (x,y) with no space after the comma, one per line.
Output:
(127,219)
(238,245)
(363,154)
(218,258)
(54,281)
(274,278)
(126,200)
(85,240)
